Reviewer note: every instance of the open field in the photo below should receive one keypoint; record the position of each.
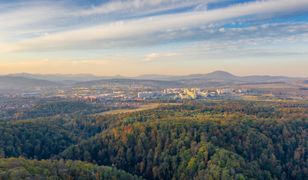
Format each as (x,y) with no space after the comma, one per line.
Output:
(141,108)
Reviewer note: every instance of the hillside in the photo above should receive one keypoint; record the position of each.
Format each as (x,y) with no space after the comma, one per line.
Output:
(193,143)
(19,168)
(212,140)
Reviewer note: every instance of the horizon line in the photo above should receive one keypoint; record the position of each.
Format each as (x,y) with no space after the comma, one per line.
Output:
(151,74)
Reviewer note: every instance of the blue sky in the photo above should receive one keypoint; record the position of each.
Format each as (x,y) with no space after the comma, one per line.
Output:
(132,37)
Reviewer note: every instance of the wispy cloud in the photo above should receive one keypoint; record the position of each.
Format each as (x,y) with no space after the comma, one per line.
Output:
(140,6)
(137,36)
(20,15)
(30,14)
(149,27)
(158,56)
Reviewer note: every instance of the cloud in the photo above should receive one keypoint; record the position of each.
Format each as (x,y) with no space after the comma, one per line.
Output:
(275,48)
(50,66)
(157,56)
(29,13)
(35,13)
(222,30)
(142,29)
(139,6)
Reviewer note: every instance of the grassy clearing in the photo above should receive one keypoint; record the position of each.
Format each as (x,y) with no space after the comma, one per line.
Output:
(141,108)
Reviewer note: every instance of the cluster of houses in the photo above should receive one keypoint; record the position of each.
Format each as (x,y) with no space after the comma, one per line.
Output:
(187,93)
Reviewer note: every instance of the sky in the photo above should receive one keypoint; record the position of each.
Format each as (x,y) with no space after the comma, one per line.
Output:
(133,37)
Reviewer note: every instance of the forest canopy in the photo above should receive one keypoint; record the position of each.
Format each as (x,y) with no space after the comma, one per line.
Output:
(204,140)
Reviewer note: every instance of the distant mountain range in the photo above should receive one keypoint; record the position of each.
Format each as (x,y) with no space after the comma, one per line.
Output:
(214,79)
(132,82)
(213,75)
(62,77)
(222,78)
(10,82)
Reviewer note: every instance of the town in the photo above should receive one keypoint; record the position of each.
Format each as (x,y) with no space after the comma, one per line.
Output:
(111,97)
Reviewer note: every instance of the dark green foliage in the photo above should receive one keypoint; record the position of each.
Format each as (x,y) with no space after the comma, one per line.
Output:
(30,169)
(42,138)
(182,150)
(33,140)
(206,140)
(39,108)
(58,108)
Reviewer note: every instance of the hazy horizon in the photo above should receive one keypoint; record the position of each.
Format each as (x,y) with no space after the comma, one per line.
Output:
(147,74)
(172,37)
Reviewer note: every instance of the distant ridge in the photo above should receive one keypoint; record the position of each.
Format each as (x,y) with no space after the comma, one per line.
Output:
(215,74)
(135,82)
(9,82)
(58,77)
(220,74)
(213,79)
(91,77)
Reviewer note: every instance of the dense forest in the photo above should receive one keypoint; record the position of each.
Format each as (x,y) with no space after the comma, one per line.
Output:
(196,140)
(53,108)
(19,168)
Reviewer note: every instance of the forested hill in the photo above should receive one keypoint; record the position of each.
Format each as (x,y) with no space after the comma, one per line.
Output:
(19,168)
(210,143)
(205,140)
